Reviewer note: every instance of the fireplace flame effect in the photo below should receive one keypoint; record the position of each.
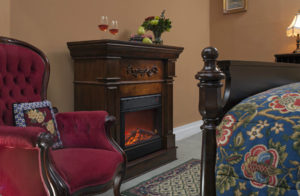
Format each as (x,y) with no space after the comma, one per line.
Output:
(138,135)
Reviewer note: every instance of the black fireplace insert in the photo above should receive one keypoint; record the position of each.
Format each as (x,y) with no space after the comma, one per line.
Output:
(141,125)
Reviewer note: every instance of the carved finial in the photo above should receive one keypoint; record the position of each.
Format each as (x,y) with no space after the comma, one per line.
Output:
(45,140)
(210,72)
(209,53)
(210,107)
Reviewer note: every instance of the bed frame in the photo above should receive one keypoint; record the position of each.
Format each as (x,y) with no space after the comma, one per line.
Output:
(242,79)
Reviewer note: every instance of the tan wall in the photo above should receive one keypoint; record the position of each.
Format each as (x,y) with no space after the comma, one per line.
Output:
(50,24)
(4,17)
(257,34)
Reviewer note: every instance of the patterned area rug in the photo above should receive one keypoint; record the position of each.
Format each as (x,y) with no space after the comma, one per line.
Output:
(183,180)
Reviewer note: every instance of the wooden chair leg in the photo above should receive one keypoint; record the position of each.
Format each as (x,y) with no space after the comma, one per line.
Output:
(117,184)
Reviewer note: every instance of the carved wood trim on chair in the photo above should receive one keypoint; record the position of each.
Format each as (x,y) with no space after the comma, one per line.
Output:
(120,174)
(54,183)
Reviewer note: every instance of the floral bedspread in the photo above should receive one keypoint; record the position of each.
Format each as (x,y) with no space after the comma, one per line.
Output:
(259,145)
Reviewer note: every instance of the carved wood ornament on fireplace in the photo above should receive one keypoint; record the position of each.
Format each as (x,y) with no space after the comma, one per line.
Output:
(133,82)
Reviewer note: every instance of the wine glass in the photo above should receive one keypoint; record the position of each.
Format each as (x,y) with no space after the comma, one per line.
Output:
(104,23)
(114,29)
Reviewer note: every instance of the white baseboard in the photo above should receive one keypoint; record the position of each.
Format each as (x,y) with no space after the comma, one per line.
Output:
(187,130)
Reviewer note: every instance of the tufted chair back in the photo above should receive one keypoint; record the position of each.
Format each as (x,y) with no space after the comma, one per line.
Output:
(24,74)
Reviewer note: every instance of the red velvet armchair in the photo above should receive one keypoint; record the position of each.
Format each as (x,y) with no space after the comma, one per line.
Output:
(90,161)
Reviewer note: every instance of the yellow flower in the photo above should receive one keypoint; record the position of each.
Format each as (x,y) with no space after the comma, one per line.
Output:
(237,192)
(242,185)
(40,117)
(32,114)
(50,126)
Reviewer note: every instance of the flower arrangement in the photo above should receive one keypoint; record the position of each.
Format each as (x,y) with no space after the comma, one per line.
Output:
(158,25)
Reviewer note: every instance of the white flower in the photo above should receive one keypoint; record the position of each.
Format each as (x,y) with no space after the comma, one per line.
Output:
(263,124)
(255,133)
(277,128)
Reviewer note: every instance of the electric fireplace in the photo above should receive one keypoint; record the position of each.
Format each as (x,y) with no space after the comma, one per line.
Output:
(133,82)
(140,125)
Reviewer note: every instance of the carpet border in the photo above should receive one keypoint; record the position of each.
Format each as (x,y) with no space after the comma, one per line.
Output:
(130,194)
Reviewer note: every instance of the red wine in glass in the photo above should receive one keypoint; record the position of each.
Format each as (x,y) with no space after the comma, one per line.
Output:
(114,31)
(103,27)
(114,27)
(104,23)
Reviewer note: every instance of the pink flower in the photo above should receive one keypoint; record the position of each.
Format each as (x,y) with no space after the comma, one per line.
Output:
(260,166)
(289,102)
(224,130)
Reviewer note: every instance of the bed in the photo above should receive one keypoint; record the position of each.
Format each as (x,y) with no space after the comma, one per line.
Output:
(251,130)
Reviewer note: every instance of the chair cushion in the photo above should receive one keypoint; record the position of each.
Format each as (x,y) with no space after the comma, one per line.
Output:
(83,167)
(37,114)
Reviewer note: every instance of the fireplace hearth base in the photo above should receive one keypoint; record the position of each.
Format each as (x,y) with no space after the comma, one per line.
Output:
(150,162)
(109,71)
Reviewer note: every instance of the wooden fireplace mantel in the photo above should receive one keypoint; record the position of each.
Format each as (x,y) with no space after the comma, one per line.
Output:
(105,71)
(118,48)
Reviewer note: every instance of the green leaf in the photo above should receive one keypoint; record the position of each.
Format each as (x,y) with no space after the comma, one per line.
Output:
(283,156)
(296,127)
(296,137)
(298,174)
(296,163)
(273,191)
(239,140)
(226,178)
(281,149)
(254,194)
(246,107)
(238,113)
(286,137)
(283,186)
(243,148)
(234,158)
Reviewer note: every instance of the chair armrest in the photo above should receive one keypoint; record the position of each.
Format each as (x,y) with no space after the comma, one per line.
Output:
(24,137)
(85,129)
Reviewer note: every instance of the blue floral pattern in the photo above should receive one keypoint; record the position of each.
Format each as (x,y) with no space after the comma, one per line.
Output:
(259,145)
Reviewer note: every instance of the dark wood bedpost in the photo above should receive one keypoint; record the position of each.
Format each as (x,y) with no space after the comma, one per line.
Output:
(210,107)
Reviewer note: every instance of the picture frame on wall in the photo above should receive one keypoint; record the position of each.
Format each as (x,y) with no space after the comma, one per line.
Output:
(234,6)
